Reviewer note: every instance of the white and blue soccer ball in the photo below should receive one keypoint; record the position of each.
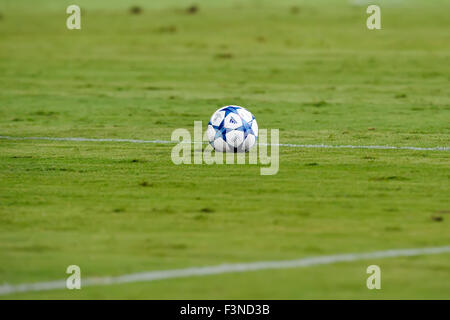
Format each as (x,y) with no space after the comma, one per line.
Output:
(232,129)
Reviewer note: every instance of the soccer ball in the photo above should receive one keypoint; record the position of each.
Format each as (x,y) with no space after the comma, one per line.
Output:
(232,129)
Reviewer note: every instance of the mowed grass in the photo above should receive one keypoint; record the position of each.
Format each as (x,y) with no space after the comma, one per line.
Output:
(312,70)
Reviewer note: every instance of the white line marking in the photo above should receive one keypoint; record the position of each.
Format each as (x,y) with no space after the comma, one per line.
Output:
(224,268)
(321,146)
(84,139)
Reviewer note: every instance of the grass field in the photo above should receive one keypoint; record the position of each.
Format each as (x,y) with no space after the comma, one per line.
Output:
(309,68)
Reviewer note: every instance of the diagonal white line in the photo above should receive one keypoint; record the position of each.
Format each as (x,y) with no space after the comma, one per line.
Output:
(224,268)
(310,146)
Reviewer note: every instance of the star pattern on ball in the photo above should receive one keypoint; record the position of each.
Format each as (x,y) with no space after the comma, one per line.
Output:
(221,131)
(246,128)
(230,109)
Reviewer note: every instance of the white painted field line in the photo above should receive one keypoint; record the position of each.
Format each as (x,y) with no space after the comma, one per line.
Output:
(224,268)
(85,139)
(310,146)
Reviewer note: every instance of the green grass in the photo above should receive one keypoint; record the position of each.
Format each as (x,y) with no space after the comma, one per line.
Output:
(318,75)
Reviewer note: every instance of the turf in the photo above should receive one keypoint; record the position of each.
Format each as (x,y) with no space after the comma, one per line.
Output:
(312,70)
